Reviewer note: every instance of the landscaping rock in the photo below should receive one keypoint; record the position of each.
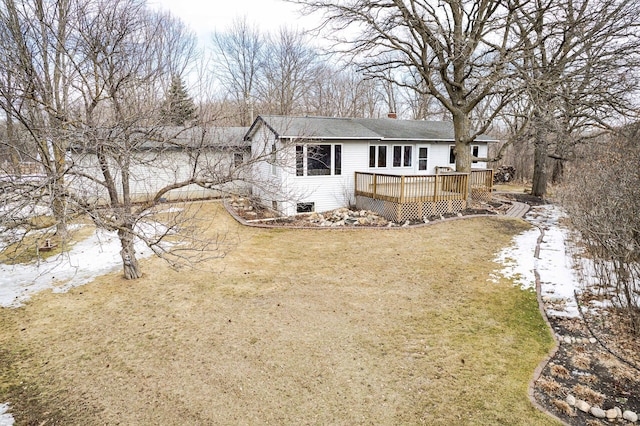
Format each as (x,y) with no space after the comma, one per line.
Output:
(612,414)
(571,400)
(583,406)
(592,340)
(598,412)
(630,416)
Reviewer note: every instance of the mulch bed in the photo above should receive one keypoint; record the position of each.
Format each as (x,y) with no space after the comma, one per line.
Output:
(605,373)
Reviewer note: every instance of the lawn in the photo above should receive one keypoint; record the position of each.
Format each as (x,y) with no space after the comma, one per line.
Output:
(291,327)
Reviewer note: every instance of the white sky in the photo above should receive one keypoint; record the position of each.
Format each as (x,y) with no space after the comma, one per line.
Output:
(207,16)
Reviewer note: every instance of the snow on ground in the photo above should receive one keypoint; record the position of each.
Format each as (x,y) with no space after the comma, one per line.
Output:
(88,259)
(6,419)
(555,264)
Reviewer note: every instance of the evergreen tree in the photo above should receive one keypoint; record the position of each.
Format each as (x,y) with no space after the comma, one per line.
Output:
(178,106)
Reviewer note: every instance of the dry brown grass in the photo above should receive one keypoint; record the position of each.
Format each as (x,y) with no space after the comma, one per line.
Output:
(563,407)
(293,327)
(587,394)
(550,386)
(560,371)
(581,361)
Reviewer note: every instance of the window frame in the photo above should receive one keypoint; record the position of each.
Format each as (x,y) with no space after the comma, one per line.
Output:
(475,152)
(452,154)
(302,162)
(403,156)
(376,160)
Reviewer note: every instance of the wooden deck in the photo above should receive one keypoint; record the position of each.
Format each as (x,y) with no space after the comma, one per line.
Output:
(400,198)
(412,189)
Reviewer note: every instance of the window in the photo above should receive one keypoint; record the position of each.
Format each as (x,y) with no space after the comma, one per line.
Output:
(408,150)
(378,156)
(402,156)
(237,159)
(305,207)
(475,149)
(299,160)
(382,156)
(452,154)
(423,156)
(274,168)
(316,160)
(337,156)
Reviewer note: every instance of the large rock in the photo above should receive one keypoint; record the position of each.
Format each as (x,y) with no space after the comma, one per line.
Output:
(598,412)
(583,406)
(612,414)
(630,416)
(571,400)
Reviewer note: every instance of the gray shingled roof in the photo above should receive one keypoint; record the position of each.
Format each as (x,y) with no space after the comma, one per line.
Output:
(358,128)
(174,138)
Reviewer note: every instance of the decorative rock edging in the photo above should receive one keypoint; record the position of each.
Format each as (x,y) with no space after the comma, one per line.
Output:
(610,414)
(597,412)
(244,222)
(556,344)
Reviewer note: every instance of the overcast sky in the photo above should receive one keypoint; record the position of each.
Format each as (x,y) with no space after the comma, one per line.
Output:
(207,16)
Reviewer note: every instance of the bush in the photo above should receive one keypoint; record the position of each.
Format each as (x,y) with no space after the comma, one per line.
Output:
(601,196)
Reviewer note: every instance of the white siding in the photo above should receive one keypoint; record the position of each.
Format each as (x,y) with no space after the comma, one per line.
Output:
(329,192)
(152,171)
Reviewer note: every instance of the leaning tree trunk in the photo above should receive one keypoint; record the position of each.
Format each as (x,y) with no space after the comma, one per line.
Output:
(130,264)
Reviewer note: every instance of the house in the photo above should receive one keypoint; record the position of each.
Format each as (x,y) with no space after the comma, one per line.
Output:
(390,166)
(161,157)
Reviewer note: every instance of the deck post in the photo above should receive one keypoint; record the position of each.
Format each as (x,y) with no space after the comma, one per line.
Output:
(435,187)
(375,185)
(402,189)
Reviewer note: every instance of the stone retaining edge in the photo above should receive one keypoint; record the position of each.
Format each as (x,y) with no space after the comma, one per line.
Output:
(556,344)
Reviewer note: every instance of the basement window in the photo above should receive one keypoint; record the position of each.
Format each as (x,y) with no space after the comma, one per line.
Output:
(305,207)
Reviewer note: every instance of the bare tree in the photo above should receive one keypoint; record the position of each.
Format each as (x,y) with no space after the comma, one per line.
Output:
(577,57)
(460,49)
(289,68)
(35,90)
(239,56)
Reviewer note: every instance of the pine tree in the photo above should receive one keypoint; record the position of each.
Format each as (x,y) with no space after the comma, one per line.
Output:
(178,107)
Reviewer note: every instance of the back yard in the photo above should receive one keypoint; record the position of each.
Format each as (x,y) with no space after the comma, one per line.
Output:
(292,327)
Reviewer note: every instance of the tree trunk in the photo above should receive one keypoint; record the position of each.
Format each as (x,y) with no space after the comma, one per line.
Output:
(462,129)
(131,267)
(558,171)
(539,184)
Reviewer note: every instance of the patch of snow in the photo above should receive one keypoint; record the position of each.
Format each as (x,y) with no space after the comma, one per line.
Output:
(554,264)
(88,259)
(6,419)
(170,210)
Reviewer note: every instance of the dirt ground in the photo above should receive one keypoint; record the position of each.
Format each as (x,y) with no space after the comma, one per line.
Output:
(290,327)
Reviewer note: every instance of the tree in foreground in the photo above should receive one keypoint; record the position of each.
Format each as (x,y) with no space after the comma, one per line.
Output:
(113,59)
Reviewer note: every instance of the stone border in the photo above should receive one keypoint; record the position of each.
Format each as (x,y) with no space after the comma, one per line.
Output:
(244,222)
(556,344)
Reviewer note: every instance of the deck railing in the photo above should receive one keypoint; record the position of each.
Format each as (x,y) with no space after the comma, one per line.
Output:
(411,189)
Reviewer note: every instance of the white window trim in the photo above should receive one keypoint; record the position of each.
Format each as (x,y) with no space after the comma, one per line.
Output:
(305,159)
(401,166)
(388,156)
